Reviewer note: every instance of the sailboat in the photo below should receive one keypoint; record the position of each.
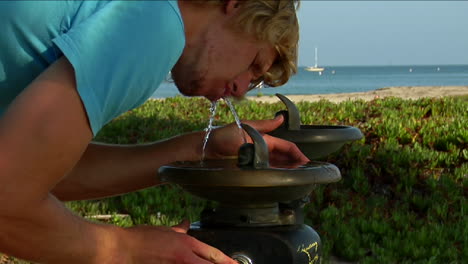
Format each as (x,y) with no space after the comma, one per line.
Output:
(315,68)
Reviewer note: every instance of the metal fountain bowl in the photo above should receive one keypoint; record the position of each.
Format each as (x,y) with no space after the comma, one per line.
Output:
(315,141)
(224,181)
(250,179)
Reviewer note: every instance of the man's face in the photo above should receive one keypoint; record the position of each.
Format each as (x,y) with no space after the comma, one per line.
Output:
(224,65)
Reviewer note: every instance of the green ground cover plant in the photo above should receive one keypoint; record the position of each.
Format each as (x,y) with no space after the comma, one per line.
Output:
(402,198)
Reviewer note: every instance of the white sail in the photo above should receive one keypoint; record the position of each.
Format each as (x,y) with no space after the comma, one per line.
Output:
(315,68)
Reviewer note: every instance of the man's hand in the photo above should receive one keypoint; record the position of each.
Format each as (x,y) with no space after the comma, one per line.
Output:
(170,245)
(224,142)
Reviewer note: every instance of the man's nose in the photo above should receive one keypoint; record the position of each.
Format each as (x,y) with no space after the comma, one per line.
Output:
(241,85)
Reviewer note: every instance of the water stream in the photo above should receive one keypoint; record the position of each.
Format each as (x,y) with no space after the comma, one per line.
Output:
(214,105)
(236,117)
(208,130)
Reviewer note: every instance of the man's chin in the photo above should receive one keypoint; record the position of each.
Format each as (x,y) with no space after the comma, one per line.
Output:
(185,92)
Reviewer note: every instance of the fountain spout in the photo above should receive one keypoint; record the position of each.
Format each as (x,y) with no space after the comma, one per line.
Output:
(256,154)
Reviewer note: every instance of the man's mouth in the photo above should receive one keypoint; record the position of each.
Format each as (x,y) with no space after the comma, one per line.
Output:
(225,93)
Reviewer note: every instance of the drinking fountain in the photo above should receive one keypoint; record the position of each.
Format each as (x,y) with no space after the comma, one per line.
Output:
(259,214)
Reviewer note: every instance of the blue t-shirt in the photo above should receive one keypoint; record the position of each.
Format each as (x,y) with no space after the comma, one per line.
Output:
(121,50)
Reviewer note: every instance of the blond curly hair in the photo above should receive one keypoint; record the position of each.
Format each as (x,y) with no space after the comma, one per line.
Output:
(274,21)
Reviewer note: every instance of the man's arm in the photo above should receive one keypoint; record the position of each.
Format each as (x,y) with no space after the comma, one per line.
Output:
(43,134)
(106,170)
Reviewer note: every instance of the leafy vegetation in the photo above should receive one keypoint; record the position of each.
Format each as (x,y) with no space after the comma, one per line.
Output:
(402,198)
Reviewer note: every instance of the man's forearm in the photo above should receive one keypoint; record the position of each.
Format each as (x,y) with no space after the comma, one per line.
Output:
(47,232)
(106,170)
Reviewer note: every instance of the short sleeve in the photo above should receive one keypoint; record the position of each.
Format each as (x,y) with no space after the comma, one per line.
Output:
(121,54)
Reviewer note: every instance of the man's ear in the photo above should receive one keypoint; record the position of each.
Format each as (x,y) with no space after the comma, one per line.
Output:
(231,6)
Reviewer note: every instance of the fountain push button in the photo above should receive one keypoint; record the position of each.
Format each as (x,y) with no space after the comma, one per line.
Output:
(242,259)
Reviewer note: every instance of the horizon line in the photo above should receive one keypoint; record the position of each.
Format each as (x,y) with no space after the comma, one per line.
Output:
(383,65)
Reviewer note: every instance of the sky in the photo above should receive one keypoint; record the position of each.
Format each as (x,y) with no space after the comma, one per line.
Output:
(383,32)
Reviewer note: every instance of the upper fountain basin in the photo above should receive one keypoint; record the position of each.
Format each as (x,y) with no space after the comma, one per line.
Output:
(317,141)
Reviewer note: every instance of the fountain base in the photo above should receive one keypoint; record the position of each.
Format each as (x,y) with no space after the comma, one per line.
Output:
(291,244)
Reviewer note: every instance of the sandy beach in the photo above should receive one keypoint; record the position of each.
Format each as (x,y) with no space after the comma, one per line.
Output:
(405,92)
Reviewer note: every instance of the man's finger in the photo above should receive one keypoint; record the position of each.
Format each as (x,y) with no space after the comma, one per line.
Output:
(278,145)
(211,254)
(265,126)
(182,227)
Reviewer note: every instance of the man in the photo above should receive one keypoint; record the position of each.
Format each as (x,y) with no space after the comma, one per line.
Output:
(69,67)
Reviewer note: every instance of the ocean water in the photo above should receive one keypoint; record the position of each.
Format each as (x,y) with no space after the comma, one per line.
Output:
(347,79)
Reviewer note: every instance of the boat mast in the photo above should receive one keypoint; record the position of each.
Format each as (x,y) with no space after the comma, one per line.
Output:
(316,58)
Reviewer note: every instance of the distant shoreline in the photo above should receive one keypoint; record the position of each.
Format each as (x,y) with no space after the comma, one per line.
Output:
(382,65)
(405,92)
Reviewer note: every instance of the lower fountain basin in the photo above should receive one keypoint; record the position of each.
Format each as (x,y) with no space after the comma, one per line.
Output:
(225,182)
(318,141)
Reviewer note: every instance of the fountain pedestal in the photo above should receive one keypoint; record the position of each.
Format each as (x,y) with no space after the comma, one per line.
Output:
(259,218)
